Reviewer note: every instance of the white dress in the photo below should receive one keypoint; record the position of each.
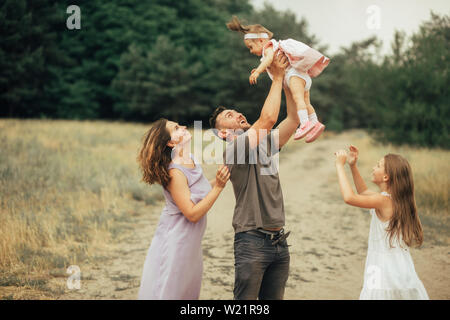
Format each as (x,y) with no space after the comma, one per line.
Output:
(389,273)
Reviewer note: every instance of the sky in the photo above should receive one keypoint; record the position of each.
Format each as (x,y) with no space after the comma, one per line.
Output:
(338,23)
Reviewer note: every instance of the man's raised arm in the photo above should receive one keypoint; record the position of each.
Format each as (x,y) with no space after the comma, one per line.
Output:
(288,126)
(271,108)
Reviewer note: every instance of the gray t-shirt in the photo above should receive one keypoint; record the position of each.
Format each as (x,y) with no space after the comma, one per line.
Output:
(256,185)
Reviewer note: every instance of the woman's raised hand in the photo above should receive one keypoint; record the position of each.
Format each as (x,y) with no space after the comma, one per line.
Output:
(222,176)
(352,155)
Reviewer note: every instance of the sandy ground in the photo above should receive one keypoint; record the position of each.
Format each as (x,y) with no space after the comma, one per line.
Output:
(328,240)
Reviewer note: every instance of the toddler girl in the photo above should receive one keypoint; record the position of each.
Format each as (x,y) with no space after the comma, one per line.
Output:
(305,63)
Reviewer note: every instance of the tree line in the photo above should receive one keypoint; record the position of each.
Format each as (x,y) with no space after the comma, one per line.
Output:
(141,60)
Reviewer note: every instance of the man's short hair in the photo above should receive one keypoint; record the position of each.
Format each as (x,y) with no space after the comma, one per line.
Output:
(213,118)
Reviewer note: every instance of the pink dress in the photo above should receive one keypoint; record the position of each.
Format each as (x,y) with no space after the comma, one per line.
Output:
(174,264)
(301,57)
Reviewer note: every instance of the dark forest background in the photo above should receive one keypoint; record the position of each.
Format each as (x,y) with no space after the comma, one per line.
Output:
(138,60)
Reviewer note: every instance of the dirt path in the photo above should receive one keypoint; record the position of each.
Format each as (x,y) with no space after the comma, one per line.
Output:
(328,240)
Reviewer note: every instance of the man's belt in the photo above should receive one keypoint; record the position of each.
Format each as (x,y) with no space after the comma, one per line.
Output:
(274,236)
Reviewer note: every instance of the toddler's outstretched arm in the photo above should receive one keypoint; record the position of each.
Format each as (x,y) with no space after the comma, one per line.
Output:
(267,61)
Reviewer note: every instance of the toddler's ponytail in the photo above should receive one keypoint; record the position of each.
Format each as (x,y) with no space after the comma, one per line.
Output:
(235,25)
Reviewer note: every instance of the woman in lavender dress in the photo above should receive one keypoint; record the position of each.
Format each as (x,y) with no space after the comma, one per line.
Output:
(174,265)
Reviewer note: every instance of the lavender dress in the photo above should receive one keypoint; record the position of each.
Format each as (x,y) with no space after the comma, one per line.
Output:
(174,264)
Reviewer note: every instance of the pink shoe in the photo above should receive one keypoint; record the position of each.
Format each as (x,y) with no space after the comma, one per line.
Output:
(315,133)
(303,130)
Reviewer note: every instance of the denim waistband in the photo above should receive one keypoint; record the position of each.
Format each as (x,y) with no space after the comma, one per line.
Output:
(261,233)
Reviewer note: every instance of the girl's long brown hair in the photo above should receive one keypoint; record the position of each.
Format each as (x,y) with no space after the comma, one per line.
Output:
(155,155)
(236,25)
(405,221)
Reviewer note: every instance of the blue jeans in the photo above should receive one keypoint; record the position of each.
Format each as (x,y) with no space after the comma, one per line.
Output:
(261,269)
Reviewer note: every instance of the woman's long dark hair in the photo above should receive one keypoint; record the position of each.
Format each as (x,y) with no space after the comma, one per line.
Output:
(155,155)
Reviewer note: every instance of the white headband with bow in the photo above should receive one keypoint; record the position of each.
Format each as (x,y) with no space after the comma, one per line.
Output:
(256,35)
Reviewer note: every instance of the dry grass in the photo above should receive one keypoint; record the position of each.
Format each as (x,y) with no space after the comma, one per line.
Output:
(65,187)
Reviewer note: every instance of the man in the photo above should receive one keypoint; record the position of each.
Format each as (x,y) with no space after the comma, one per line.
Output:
(260,247)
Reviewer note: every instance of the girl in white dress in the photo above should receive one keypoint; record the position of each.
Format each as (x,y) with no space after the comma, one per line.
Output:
(304,63)
(395,226)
